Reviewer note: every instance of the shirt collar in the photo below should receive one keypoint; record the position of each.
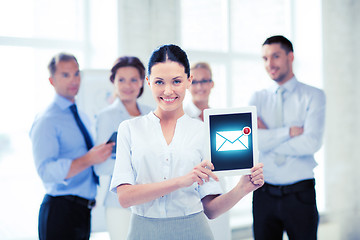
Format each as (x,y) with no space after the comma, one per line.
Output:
(289,86)
(193,110)
(118,103)
(151,115)
(62,102)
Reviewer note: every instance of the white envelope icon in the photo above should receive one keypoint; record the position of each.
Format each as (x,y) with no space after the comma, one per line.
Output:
(231,140)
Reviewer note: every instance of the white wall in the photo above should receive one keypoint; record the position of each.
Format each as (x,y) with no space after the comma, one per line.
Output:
(341,47)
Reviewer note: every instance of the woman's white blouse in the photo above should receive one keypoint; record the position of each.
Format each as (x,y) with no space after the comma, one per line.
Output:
(108,121)
(143,156)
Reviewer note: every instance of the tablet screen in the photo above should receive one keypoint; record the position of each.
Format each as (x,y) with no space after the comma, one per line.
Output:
(232,139)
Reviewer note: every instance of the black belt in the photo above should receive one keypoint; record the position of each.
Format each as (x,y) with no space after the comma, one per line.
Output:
(281,190)
(79,200)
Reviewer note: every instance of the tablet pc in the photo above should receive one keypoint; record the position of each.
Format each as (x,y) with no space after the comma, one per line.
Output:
(232,139)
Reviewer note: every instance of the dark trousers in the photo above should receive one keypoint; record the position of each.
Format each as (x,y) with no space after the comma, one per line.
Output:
(62,219)
(289,208)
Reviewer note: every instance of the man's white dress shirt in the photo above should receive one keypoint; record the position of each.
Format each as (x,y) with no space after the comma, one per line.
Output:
(303,106)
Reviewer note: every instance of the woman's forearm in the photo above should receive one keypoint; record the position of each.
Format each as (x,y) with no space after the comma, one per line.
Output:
(130,195)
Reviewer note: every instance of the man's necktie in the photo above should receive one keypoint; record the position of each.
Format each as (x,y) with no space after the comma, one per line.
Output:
(279,107)
(85,134)
(81,126)
(280,159)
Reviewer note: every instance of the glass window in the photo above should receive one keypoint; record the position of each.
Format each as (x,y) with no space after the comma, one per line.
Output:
(103,37)
(307,42)
(204,25)
(12,18)
(56,19)
(248,75)
(218,97)
(19,182)
(253,21)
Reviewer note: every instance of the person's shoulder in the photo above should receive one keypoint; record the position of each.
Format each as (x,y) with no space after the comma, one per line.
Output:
(264,91)
(193,122)
(194,128)
(187,109)
(50,112)
(309,89)
(187,106)
(106,110)
(136,121)
(47,118)
(307,86)
(106,114)
(110,109)
(261,96)
(192,110)
(113,114)
(145,109)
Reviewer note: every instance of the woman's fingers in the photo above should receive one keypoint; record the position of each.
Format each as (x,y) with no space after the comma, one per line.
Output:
(211,174)
(258,182)
(208,169)
(257,167)
(201,175)
(204,171)
(207,164)
(257,176)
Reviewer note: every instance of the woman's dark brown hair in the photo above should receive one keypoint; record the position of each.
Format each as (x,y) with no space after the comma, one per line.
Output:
(129,61)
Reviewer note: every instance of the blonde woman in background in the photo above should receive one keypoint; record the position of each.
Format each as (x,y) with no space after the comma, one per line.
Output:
(127,76)
(200,90)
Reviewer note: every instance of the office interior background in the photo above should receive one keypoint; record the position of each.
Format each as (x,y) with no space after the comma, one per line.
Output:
(226,33)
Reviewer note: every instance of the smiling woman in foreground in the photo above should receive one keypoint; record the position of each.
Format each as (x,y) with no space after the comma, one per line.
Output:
(161,168)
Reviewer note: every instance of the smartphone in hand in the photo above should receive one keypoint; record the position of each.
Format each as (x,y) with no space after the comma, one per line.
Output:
(113,139)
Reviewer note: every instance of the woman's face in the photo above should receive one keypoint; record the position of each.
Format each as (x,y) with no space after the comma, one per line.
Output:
(168,82)
(127,83)
(201,85)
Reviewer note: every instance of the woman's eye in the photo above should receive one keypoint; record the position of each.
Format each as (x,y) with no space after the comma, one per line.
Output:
(134,80)
(158,82)
(121,80)
(177,82)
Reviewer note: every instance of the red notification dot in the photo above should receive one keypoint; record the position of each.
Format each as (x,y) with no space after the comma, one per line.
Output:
(246,130)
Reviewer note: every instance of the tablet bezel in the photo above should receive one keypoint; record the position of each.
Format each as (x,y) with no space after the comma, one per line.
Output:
(238,110)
